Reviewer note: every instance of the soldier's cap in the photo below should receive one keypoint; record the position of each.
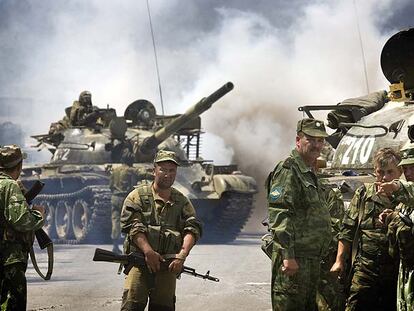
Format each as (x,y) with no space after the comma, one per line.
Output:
(10,156)
(407,156)
(312,127)
(165,155)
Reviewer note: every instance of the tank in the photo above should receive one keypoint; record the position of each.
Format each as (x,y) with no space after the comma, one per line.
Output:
(365,124)
(77,195)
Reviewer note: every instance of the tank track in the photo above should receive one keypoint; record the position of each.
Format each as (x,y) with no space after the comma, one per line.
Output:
(230,219)
(98,227)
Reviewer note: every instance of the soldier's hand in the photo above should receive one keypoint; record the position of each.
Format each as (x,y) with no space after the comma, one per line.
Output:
(40,209)
(383,216)
(387,188)
(176,266)
(290,267)
(153,260)
(337,269)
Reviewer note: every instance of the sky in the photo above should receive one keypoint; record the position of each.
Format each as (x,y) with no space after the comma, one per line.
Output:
(279,54)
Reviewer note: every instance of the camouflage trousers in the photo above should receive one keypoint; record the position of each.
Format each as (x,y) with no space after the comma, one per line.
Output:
(13,286)
(405,291)
(117,201)
(141,285)
(297,292)
(373,286)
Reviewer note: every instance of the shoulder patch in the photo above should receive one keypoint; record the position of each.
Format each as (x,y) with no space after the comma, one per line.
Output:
(275,193)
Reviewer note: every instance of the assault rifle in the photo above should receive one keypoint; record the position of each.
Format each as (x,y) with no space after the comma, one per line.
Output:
(42,238)
(136,259)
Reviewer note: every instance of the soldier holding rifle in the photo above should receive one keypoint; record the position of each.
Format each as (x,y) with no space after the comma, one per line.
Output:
(160,222)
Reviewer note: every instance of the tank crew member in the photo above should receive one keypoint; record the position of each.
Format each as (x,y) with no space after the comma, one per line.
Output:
(299,221)
(400,228)
(160,222)
(121,182)
(82,112)
(17,225)
(374,277)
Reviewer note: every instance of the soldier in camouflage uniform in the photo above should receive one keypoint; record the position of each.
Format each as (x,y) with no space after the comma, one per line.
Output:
(82,112)
(160,222)
(17,224)
(374,278)
(400,228)
(299,221)
(121,182)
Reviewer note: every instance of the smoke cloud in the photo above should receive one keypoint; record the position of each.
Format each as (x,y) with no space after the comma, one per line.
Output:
(280,55)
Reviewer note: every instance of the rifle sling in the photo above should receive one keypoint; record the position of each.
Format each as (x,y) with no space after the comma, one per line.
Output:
(49,262)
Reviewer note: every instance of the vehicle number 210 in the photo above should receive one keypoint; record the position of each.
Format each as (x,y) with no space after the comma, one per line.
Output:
(359,148)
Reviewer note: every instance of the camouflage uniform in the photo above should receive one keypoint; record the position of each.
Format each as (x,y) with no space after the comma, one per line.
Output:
(121,182)
(17,223)
(401,238)
(164,224)
(300,224)
(331,295)
(374,278)
(82,112)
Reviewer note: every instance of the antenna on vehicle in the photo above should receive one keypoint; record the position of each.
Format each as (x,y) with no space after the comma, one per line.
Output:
(362,47)
(155,56)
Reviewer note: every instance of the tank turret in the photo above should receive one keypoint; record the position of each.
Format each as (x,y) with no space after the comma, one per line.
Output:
(150,144)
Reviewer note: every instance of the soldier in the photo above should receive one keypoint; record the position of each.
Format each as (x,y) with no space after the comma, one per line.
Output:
(299,221)
(160,222)
(400,228)
(374,277)
(17,225)
(82,112)
(121,182)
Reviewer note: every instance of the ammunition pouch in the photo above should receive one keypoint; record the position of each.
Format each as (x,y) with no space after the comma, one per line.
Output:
(164,241)
(267,245)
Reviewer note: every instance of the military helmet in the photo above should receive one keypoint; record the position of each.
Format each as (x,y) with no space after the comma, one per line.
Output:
(85,97)
(10,156)
(165,155)
(407,154)
(312,127)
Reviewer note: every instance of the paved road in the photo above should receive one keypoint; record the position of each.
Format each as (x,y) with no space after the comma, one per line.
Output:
(80,284)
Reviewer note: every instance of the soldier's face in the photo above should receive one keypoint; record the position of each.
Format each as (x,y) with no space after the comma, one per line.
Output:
(164,174)
(309,147)
(409,172)
(388,172)
(86,99)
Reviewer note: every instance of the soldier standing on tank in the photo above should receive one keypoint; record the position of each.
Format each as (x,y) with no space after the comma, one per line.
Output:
(400,228)
(161,223)
(17,225)
(121,182)
(374,277)
(82,112)
(299,221)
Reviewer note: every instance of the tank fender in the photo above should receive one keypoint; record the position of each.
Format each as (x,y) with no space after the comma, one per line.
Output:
(234,183)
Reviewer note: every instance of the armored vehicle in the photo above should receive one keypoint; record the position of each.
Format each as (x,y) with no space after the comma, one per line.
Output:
(77,194)
(382,119)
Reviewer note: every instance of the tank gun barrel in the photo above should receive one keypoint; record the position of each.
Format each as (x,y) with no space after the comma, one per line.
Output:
(150,143)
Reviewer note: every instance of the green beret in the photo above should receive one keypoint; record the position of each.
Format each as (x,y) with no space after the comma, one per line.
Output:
(312,127)
(10,156)
(165,155)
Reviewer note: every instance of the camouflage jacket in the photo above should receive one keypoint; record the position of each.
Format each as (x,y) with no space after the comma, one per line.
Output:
(372,237)
(124,178)
(164,223)
(79,114)
(298,214)
(16,222)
